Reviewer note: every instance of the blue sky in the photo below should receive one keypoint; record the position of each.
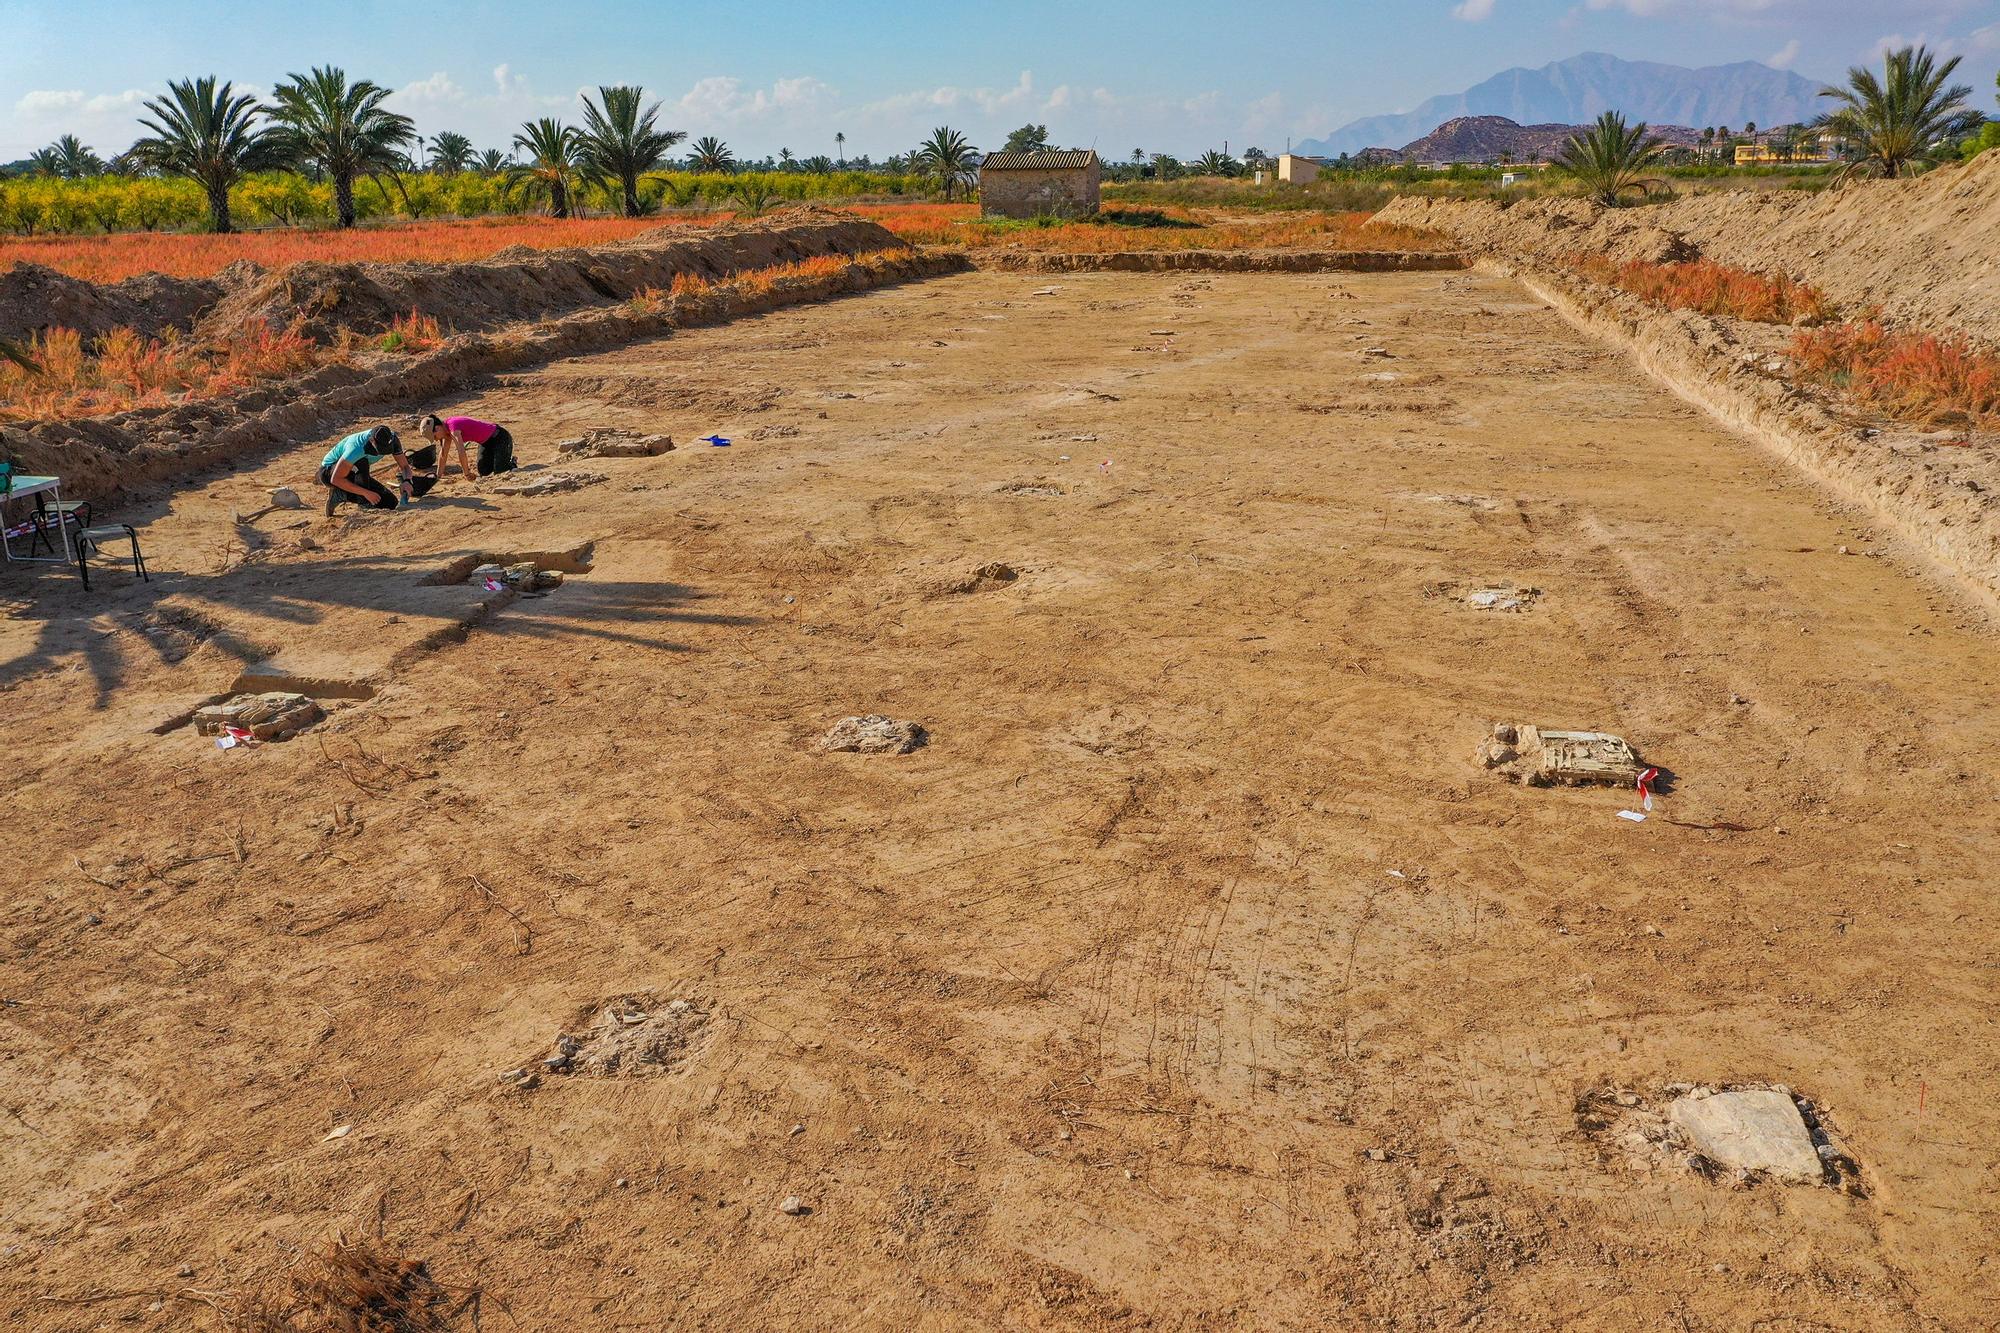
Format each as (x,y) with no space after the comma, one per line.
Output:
(1167,75)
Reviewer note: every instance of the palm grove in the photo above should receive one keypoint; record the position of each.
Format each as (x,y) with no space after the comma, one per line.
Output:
(339,132)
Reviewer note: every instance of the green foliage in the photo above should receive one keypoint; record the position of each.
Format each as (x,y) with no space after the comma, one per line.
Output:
(452,153)
(205,132)
(946,159)
(621,141)
(1987,139)
(1611,159)
(342,129)
(752,194)
(708,155)
(1027,139)
(1899,121)
(555,161)
(107,203)
(1213,163)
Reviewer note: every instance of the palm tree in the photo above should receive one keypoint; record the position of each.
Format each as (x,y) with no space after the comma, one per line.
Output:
(946,158)
(44,162)
(1213,163)
(710,154)
(819,164)
(786,162)
(451,153)
(343,129)
(1898,120)
(752,196)
(555,161)
(840,147)
(1611,159)
(68,158)
(621,142)
(207,133)
(493,161)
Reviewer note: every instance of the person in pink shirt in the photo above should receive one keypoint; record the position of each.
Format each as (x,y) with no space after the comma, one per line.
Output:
(496,446)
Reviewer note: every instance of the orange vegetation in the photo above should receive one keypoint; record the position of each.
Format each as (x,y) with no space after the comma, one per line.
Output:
(1711,288)
(198,255)
(123,370)
(1912,376)
(1164,228)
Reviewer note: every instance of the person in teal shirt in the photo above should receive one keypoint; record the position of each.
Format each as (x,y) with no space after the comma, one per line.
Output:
(344,470)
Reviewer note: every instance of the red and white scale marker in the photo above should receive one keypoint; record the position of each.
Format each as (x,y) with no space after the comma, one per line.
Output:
(1645,789)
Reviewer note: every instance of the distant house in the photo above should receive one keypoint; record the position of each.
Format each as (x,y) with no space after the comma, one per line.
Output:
(1748,154)
(1046,184)
(1296,170)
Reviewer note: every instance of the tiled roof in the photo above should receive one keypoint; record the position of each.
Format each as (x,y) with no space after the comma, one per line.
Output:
(1072,160)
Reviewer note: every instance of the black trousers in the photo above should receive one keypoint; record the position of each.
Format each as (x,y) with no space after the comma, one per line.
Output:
(497,454)
(384,497)
(424,460)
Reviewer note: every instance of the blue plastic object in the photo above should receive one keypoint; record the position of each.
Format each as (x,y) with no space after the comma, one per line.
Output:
(719,441)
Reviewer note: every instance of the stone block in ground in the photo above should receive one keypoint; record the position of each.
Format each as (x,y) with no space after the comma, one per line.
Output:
(272,716)
(615,444)
(1753,1129)
(1542,757)
(873,734)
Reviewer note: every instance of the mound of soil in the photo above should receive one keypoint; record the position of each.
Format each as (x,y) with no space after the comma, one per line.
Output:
(513,285)
(1920,249)
(34,298)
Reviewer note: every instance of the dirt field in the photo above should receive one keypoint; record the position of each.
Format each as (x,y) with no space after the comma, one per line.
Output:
(1193,975)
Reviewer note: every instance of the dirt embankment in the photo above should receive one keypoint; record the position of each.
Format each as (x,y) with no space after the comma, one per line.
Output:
(1937,492)
(34,299)
(1923,250)
(1220,261)
(508,287)
(522,284)
(559,313)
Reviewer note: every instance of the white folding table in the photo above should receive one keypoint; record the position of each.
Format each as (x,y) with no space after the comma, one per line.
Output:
(26,487)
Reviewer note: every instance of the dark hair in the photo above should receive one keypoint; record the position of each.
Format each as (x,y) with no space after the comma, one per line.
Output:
(384,441)
(431,421)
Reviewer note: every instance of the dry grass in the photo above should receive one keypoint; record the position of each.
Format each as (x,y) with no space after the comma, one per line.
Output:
(128,254)
(357,1289)
(1711,288)
(124,370)
(1916,377)
(1165,228)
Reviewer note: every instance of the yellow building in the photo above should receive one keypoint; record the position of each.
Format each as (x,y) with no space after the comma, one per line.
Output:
(1750,154)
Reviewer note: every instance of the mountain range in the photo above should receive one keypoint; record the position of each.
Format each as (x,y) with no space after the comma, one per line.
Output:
(1578,90)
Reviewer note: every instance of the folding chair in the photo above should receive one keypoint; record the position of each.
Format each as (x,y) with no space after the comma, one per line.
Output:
(90,540)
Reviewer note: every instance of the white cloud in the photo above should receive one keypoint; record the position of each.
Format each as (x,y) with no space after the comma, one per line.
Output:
(1473,11)
(49,102)
(437,90)
(1785,56)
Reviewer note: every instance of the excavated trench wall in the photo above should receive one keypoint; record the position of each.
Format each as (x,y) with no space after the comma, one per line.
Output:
(1926,251)
(101,456)
(1936,495)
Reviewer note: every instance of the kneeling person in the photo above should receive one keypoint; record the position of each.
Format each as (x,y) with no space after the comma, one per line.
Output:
(496,446)
(344,470)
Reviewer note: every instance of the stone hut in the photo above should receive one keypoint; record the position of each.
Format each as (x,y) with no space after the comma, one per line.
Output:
(1028,185)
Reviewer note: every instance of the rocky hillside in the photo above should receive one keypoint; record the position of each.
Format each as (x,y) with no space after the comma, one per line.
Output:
(1583,87)
(1483,138)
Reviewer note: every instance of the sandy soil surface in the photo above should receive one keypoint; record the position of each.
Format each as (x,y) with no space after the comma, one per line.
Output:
(1192,976)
